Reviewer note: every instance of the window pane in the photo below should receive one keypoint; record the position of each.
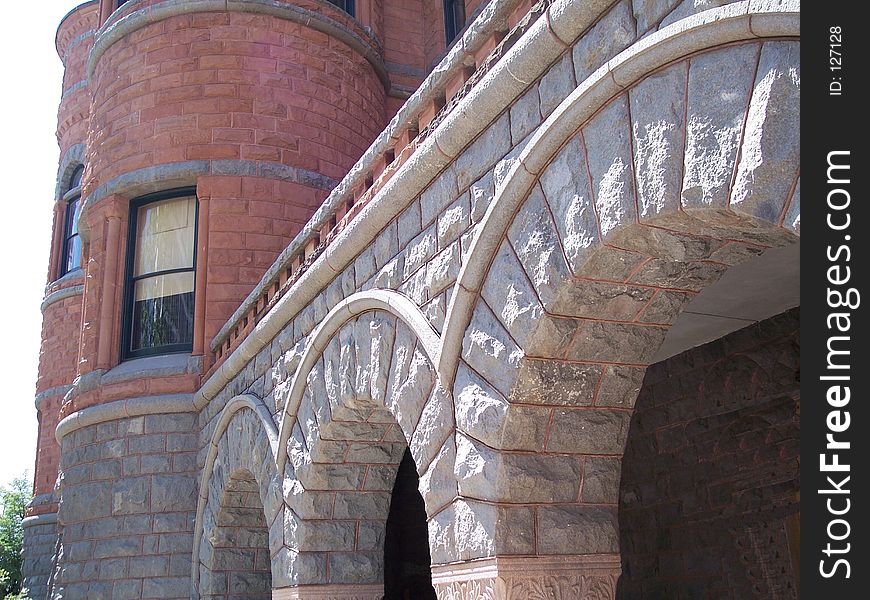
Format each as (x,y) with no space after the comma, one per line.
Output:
(162,311)
(73,258)
(73,208)
(165,236)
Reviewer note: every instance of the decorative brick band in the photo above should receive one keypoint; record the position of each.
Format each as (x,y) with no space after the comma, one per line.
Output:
(62,294)
(330,592)
(579,577)
(114,31)
(121,409)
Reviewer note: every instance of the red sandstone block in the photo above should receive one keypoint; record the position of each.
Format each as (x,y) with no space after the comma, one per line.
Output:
(209,20)
(255,241)
(212,151)
(220,61)
(255,188)
(206,47)
(225,239)
(235,136)
(251,152)
(220,89)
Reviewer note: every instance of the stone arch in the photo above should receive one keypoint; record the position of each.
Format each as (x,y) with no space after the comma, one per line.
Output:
(367,390)
(239,482)
(733,23)
(649,182)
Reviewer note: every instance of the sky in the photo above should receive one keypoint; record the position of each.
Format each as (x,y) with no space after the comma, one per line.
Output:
(31,74)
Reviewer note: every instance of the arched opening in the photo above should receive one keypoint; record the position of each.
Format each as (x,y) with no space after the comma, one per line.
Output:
(239,565)
(710,487)
(407,564)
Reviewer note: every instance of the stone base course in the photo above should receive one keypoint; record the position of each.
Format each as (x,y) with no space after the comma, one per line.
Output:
(579,577)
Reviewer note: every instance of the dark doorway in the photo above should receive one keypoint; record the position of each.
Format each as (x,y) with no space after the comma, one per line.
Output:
(407,565)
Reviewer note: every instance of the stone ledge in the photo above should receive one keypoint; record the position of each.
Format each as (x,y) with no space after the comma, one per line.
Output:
(122,409)
(44,519)
(63,294)
(330,592)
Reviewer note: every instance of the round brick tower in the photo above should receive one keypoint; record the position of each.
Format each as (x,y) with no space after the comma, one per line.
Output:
(196,139)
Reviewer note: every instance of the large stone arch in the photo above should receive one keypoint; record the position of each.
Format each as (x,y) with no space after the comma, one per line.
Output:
(239,487)
(364,389)
(650,181)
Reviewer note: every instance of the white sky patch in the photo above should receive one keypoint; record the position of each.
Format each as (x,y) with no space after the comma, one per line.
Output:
(29,156)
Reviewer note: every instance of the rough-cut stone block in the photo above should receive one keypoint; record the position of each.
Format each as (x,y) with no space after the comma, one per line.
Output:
(442,270)
(770,155)
(599,300)
(130,496)
(608,144)
(601,480)
(600,341)
(488,474)
(409,223)
(485,414)
(453,221)
(620,386)
(435,424)
(613,33)
(589,431)
(556,383)
(481,194)
(648,13)
(438,481)
(719,88)
(438,196)
(419,251)
(173,492)
(665,306)
(556,84)
(565,183)
(577,530)
(488,348)
(483,153)
(525,114)
(658,106)
(534,238)
(509,294)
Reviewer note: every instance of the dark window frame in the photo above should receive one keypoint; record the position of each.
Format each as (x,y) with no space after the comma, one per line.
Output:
(75,184)
(452,26)
(129,280)
(348,6)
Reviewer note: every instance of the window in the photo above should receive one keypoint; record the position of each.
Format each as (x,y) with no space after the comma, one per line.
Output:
(347,6)
(71,250)
(161,258)
(454,18)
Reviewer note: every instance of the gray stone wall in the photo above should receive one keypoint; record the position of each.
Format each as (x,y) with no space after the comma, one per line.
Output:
(128,501)
(40,541)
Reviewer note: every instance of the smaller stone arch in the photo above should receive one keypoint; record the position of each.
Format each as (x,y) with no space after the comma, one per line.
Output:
(238,531)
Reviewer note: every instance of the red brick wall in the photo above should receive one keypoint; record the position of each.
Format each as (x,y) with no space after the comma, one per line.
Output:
(231,86)
(251,220)
(711,470)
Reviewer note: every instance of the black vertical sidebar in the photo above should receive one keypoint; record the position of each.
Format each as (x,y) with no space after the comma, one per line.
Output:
(835,368)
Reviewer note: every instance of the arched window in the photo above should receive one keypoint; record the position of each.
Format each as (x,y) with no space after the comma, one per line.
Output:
(161,260)
(71,250)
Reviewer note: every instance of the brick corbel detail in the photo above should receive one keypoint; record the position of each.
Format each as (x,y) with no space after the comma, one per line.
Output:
(578,577)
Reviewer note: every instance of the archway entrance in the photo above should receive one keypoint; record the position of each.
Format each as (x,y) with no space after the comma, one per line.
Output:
(239,565)
(407,564)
